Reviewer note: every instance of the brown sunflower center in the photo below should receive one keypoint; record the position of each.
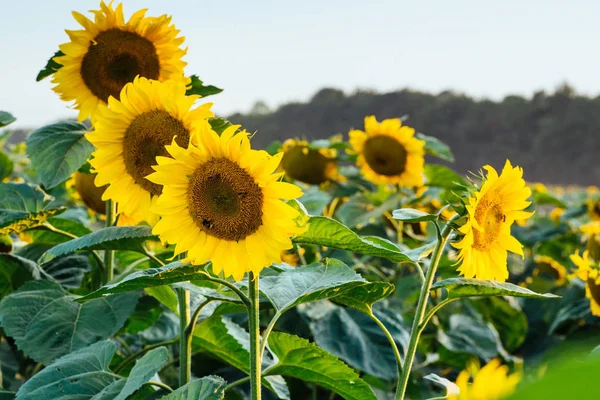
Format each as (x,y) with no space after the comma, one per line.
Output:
(145,139)
(490,217)
(596,210)
(385,155)
(225,201)
(594,289)
(91,195)
(593,247)
(306,165)
(114,58)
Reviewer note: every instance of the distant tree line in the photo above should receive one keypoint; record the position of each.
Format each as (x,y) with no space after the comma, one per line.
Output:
(555,137)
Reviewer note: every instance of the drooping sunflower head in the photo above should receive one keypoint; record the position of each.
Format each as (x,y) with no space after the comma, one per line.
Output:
(305,163)
(222,202)
(492,382)
(108,53)
(132,132)
(594,209)
(388,152)
(550,267)
(588,270)
(491,212)
(88,192)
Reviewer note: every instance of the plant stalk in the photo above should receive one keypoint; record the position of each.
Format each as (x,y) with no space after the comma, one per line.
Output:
(254,325)
(390,338)
(415,333)
(185,353)
(109,255)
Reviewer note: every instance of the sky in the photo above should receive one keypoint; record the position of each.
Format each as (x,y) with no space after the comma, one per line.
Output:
(282,51)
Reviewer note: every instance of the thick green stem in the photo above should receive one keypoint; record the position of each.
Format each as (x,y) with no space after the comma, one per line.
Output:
(390,338)
(254,325)
(185,353)
(420,313)
(109,255)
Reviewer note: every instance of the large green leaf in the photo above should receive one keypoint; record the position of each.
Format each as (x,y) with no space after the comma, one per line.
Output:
(300,359)
(325,231)
(58,150)
(444,177)
(85,374)
(359,210)
(319,281)
(69,270)
(50,68)
(24,206)
(315,200)
(46,323)
(412,215)
(6,118)
(436,147)
(364,345)
(506,316)
(15,271)
(207,388)
(6,166)
(198,87)
(464,287)
(111,238)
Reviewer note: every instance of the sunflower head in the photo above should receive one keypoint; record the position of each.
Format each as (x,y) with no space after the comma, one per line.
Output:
(221,201)
(491,212)
(549,266)
(132,132)
(108,53)
(594,209)
(305,163)
(388,152)
(588,270)
(89,193)
(492,382)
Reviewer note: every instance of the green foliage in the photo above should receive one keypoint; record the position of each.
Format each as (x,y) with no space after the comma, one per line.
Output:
(15,271)
(298,358)
(219,124)
(58,150)
(411,215)
(6,118)
(436,147)
(198,87)
(207,388)
(6,166)
(463,287)
(46,323)
(50,68)
(443,177)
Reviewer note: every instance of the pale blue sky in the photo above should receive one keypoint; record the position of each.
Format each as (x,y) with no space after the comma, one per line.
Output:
(281,51)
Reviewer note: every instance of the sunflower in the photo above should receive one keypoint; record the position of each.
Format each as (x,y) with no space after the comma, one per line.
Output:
(588,271)
(388,153)
(594,209)
(550,266)
(83,190)
(310,165)
(556,214)
(492,382)
(109,53)
(491,211)
(132,132)
(221,201)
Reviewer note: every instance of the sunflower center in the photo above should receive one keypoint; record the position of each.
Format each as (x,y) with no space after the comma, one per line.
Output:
(306,165)
(594,289)
(593,247)
(145,139)
(114,58)
(225,201)
(596,209)
(385,155)
(490,217)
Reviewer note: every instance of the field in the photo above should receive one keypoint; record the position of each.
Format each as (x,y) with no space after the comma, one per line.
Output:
(151,250)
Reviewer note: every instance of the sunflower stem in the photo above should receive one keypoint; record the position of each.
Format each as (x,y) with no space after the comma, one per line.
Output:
(390,338)
(109,255)
(254,325)
(416,330)
(185,355)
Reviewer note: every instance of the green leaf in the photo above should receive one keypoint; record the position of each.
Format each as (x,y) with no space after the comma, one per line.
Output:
(198,87)
(463,287)
(43,235)
(315,200)
(6,166)
(506,316)
(15,271)
(451,387)
(46,323)
(316,282)
(359,210)
(443,177)
(325,231)
(436,147)
(24,206)
(111,238)
(165,295)
(68,270)
(85,374)
(300,359)
(364,345)
(219,124)
(50,68)
(541,198)
(207,388)
(6,118)
(58,150)
(411,215)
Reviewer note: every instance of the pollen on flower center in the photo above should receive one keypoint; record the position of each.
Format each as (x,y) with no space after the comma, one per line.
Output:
(224,199)
(145,139)
(489,217)
(385,155)
(114,58)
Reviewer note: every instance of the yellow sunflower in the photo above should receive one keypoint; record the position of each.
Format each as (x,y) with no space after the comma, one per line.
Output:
(109,53)
(549,265)
(132,132)
(309,165)
(222,202)
(492,210)
(556,213)
(594,209)
(492,382)
(588,271)
(388,153)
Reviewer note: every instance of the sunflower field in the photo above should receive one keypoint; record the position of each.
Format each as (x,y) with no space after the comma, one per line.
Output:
(150,251)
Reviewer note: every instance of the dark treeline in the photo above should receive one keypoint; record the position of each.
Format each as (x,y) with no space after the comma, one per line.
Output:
(555,137)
